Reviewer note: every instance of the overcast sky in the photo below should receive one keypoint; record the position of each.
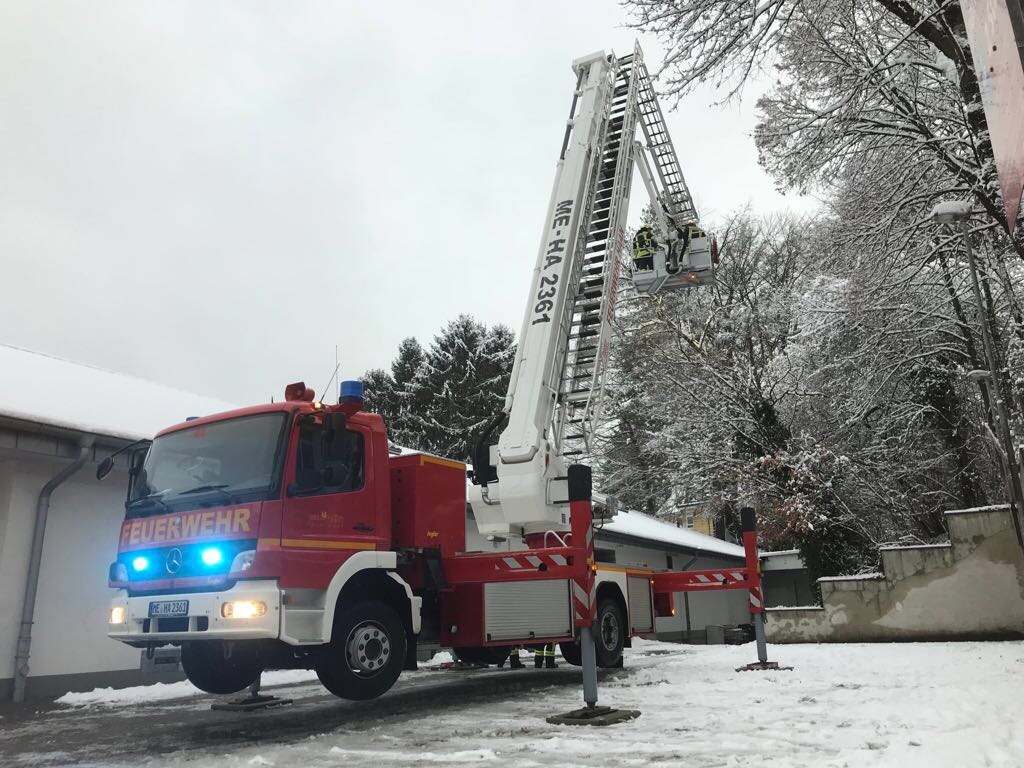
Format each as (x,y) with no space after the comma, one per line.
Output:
(214,194)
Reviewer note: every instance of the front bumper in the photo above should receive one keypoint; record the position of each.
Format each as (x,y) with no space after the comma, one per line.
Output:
(204,620)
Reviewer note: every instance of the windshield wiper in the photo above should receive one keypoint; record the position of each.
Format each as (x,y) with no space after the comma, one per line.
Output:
(211,487)
(152,498)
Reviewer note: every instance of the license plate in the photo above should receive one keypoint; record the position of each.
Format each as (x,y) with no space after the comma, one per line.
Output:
(162,608)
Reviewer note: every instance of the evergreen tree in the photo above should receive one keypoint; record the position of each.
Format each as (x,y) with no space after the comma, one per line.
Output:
(379,393)
(461,385)
(438,400)
(402,419)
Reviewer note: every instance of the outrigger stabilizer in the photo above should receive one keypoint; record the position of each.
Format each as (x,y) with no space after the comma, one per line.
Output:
(665,585)
(584,604)
(254,701)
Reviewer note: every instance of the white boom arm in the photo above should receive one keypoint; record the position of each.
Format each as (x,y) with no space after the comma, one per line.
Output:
(557,385)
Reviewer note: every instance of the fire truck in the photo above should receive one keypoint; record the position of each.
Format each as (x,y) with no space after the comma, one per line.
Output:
(291,535)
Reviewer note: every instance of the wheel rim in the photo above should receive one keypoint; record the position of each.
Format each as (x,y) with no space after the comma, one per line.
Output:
(609,630)
(367,649)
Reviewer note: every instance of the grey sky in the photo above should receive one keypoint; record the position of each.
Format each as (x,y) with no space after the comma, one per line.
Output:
(213,195)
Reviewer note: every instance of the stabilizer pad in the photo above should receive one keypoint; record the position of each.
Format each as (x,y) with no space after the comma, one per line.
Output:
(594,716)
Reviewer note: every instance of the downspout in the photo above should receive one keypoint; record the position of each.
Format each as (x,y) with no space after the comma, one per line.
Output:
(28,608)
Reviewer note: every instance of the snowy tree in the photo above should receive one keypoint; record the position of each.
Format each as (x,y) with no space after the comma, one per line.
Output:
(438,400)
(379,393)
(462,383)
(876,107)
(408,403)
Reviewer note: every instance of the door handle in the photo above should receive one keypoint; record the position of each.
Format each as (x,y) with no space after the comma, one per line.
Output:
(362,528)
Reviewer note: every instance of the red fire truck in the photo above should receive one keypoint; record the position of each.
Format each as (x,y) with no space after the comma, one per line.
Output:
(289,535)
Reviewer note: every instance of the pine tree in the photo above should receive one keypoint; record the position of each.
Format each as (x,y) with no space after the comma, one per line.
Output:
(379,393)
(438,400)
(402,420)
(461,385)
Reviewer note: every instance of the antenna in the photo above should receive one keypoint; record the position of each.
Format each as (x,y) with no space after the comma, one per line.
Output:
(337,365)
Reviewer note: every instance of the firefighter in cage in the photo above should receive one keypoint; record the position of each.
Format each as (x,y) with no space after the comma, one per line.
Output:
(644,247)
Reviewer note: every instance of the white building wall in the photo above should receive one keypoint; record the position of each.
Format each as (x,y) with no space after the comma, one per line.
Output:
(14,544)
(70,633)
(69,629)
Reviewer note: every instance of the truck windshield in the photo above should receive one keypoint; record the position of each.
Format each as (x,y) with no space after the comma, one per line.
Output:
(230,461)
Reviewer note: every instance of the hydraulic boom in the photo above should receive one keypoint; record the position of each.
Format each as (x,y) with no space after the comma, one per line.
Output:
(553,404)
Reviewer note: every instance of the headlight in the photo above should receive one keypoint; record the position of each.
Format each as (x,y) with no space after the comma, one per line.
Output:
(243,561)
(117,614)
(243,609)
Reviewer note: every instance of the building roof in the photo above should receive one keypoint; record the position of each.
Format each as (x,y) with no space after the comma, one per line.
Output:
(641,526)
(49,390)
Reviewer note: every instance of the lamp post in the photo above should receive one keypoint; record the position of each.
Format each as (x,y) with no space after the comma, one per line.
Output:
(959,212)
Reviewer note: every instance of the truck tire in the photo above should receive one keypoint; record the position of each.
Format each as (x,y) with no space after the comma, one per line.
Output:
(366,653)
(572,653)
(495,655)
(609,632)
(208,670)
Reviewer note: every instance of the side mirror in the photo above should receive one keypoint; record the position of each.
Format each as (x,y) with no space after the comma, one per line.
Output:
(105,467)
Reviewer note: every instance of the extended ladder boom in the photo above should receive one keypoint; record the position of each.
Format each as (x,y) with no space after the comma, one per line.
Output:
(558,379)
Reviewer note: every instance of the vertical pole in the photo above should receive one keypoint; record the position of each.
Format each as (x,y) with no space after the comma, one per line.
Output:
(589,661)
(1001,414)
(762,644)
(748,521)
(583,598)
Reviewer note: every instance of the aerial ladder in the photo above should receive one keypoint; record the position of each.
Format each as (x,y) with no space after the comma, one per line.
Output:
(553,405)
(523,484)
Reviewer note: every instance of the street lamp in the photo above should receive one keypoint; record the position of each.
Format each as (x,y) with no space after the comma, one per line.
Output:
(959,212)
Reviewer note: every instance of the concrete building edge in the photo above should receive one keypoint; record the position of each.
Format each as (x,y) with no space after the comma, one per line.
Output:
(49,687)
(980,637)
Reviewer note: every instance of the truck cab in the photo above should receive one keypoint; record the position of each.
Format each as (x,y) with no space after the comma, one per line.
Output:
(269,524)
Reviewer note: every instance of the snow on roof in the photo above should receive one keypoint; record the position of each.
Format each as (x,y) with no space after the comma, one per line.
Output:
(49,390)
(643,526)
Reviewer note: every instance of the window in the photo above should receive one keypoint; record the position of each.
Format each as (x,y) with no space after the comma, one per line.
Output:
(604,555)
(689,519)
(328,465)
(226,461)
(668,562)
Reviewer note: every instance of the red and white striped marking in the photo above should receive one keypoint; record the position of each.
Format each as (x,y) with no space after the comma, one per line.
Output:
(717,577)
(533,562)
(756,600)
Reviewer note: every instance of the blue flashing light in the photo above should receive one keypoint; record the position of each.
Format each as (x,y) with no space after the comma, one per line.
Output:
(212,556)
(140,563)
(351,392)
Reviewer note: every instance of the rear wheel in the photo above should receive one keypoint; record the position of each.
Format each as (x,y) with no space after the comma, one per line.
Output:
(210,669)
(366,653)
(610,632)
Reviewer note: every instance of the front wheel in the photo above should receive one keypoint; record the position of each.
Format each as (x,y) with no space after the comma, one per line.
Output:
(366,653)
(219,667)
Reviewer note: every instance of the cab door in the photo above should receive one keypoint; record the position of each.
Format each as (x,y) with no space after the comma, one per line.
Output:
(330,502)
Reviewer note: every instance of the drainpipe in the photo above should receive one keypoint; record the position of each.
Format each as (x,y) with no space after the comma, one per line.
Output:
(35,558)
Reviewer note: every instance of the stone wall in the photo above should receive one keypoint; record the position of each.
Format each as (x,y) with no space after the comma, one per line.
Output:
(972,587)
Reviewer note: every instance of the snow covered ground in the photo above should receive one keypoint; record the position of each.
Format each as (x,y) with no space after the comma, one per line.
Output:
(906,705)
